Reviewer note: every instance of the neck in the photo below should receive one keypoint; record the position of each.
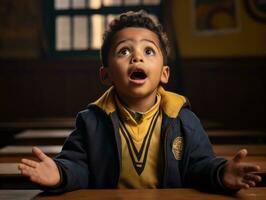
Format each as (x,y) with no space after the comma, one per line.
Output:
(140,104)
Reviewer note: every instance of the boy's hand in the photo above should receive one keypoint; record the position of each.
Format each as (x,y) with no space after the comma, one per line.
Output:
(237,174)
(44,172)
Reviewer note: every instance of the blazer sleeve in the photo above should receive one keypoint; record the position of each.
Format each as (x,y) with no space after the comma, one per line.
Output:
(72,161)
(204,168)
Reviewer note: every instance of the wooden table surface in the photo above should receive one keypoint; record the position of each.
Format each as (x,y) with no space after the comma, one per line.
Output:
(144,194)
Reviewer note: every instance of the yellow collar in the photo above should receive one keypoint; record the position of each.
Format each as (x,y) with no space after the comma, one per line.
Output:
(171,103)
(134,117)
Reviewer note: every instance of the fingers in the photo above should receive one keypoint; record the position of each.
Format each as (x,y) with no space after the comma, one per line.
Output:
(251,168)
(26,170)
(249,183)
(30,163)
(252,177)
(240,155)
(39,153)
(243,185)
(29,172)
(249,180)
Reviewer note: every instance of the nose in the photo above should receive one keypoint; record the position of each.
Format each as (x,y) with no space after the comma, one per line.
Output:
(136,57)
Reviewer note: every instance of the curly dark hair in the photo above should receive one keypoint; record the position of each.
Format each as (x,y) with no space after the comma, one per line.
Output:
(139,19)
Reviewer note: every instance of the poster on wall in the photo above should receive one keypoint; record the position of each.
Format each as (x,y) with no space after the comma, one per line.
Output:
(215,16)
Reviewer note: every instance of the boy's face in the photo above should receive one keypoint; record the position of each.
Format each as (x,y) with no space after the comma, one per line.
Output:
(135,63)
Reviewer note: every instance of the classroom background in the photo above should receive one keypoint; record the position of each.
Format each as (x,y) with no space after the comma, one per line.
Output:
(49,62)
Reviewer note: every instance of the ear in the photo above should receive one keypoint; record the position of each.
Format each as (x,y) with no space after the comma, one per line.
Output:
(165,74)
(104,76)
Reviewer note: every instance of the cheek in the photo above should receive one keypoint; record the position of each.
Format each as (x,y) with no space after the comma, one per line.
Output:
(156,60)
(156,65)
(118,72)
(119,66)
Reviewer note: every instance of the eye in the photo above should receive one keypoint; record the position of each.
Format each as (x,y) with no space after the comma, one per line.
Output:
(124,52)
(149,51)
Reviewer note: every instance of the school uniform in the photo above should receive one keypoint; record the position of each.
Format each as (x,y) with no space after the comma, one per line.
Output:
(102,152)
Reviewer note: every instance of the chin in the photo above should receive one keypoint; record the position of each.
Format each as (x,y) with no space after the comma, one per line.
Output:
(139,93)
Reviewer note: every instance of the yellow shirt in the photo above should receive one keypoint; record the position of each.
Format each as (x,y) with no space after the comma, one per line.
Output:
(141,150)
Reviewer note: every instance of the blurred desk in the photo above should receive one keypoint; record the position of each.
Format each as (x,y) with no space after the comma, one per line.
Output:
(144,194)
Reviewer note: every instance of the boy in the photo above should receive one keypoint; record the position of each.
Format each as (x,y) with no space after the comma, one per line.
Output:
(137,135)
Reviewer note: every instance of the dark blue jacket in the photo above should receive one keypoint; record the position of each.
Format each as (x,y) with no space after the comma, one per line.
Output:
(91,156)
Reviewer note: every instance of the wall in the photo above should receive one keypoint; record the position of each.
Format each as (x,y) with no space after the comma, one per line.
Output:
(223,75)
(20,35)
(223,79)
(250,40)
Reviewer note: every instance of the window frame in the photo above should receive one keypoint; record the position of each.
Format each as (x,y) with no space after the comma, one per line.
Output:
(49,18)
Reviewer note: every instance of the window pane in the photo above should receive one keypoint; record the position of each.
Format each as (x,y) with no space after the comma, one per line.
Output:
(78,4)
(61,4)
(151,2)
(112,2)
(97,31)
(62,37)
(94,4)
(80,32)
(132,2)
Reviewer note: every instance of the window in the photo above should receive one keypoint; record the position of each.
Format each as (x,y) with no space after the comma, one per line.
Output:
(75,27)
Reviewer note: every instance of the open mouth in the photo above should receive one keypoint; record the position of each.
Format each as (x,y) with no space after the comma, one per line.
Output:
(138,75)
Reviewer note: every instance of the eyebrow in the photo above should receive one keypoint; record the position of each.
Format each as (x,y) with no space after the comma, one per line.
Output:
(150,42)
(147,40)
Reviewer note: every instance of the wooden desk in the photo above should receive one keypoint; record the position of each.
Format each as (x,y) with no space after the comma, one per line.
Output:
(33,137)
(236,136)
(152,194)
(16,153)
(232,149)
